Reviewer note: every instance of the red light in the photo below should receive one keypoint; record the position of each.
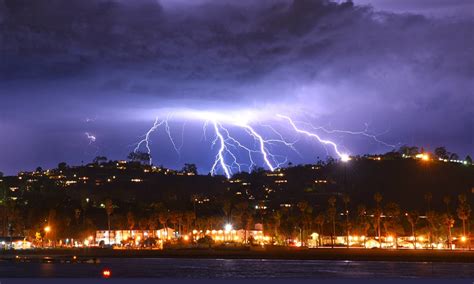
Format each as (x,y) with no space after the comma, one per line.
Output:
(106,273)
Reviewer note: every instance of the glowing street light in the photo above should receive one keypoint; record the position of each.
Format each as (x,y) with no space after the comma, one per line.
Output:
(47,229)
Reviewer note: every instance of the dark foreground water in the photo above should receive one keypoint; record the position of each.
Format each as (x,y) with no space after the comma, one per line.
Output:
(238,268)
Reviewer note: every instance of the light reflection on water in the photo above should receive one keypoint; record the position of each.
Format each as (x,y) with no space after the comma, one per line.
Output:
(240,268)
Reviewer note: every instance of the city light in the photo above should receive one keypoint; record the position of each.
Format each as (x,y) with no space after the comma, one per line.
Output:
(228,228)
(106,273)
(47,229)
(345,158)
(423,157)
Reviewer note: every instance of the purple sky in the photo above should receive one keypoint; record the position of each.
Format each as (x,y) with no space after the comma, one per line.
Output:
(403,68)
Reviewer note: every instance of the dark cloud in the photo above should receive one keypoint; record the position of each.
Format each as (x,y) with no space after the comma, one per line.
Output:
(342,63)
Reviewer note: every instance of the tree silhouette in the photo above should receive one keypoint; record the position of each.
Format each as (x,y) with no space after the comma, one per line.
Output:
(140,157)
(392,211)
(62,166)
(441,153)
(413,217)
(463,211)
(346,199)
(364,224)
(431,218)
(448,223)
(331,211)
(468,160)
(190,168)
(109,209)
(378,215)
(320,223)
(99,159)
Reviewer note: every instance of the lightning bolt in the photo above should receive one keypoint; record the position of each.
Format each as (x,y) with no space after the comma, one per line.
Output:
(91,137)
(220,154)
(363,133)
(343,156)
(227,142)
(146,139)
(227,159)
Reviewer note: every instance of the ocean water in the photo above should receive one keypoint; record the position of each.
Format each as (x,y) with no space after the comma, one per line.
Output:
(237,268)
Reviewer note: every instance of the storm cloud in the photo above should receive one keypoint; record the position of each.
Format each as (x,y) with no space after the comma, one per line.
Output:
(334,63)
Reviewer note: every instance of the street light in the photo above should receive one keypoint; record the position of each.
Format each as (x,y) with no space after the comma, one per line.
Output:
(47,229)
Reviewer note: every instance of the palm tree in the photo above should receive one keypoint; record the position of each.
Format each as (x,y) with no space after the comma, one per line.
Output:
(346,199)
(449,223)
(463,211)
(320,222)
(378,215)
(391,224)
(303,206)
(156,208)
(173,218)
(130,221)
(277,223)
(243,213)
(428,198)
(446,201)
(109,209)
(194,199)
(413,217)
(163,219)
(363,222)
(332,216)
(189,218)
(430,218)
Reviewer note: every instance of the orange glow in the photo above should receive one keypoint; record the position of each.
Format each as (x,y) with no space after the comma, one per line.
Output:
(423,157)
(186,238)
(106,273)
(47,229)
(463,238)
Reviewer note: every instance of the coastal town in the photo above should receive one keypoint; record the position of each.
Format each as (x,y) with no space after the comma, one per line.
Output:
(130,204)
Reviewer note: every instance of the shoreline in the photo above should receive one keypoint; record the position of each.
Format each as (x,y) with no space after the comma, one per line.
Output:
(273,253)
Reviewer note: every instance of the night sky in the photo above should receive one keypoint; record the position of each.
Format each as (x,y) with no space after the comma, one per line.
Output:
(403,70)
